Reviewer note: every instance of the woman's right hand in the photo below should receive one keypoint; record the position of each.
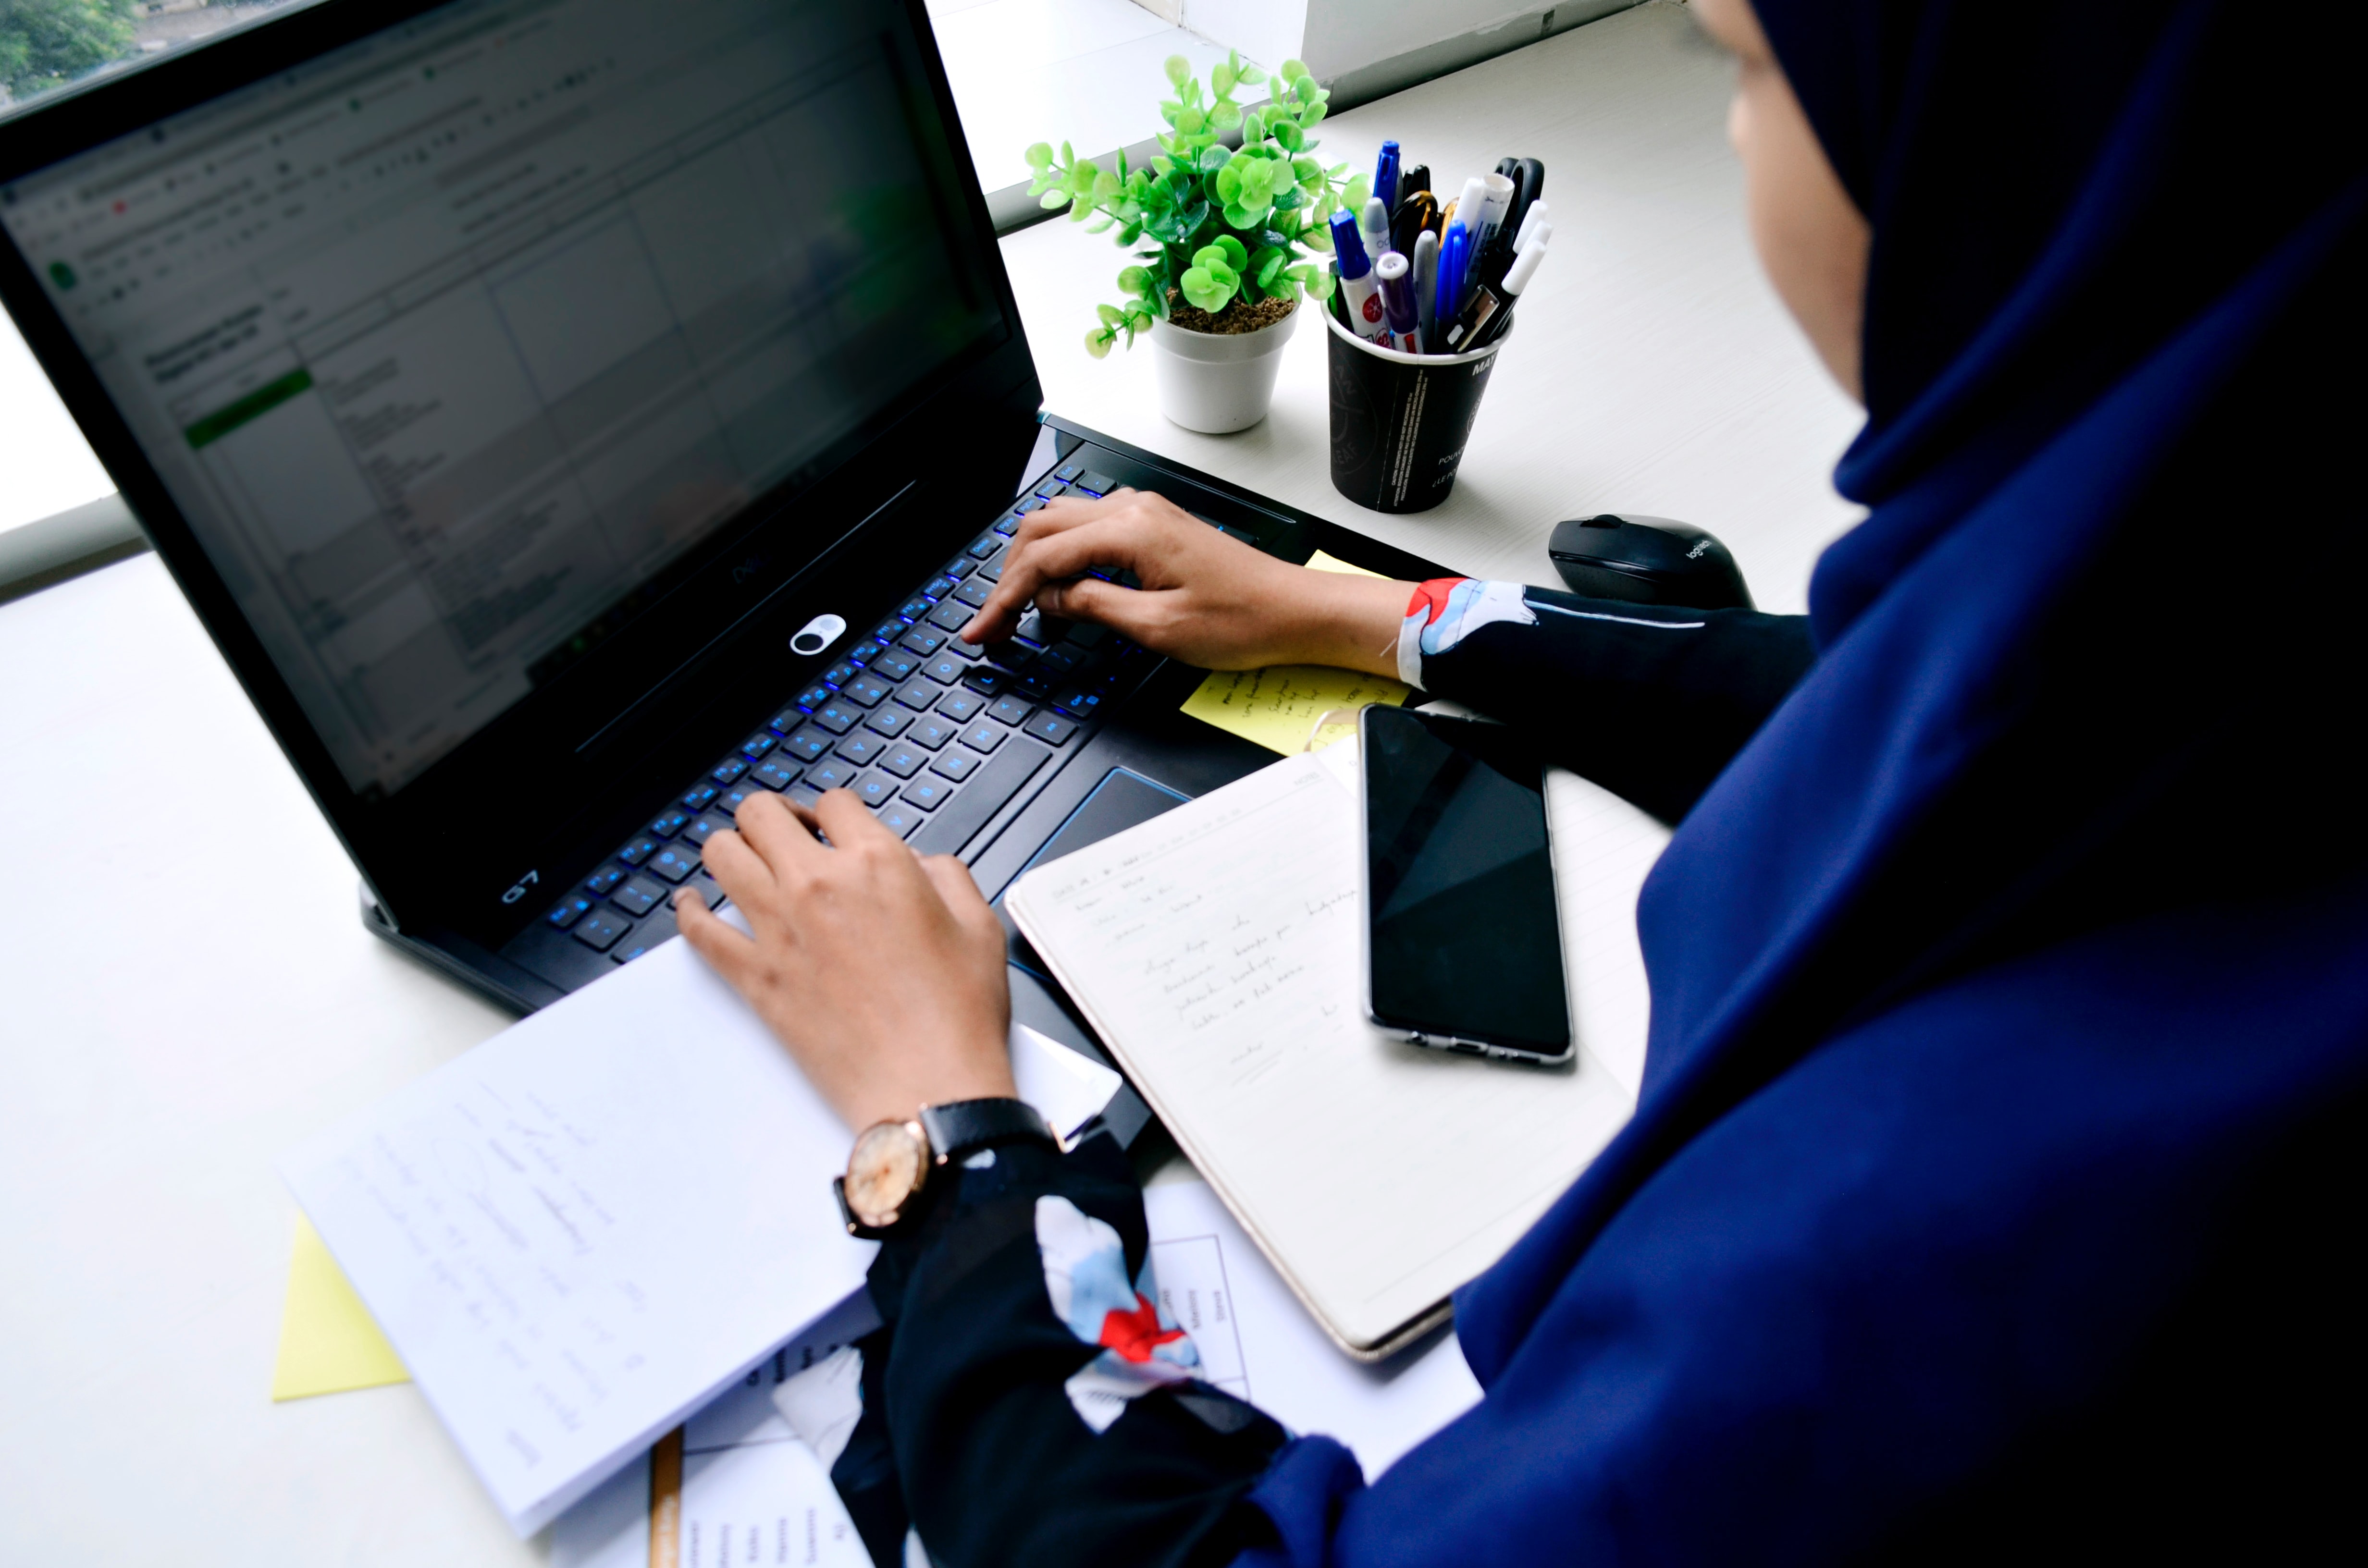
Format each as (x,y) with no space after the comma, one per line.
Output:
(1206,598)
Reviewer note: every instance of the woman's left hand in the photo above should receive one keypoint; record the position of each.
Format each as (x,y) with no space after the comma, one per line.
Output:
(882,973)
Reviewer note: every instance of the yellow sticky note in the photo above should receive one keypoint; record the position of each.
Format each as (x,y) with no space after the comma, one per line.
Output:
(328,1342)
(1319,562)
(1277,708)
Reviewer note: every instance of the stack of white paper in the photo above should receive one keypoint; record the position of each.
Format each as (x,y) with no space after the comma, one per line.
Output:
(585,1229)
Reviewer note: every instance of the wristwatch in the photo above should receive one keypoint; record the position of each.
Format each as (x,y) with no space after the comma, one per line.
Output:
(889,1168)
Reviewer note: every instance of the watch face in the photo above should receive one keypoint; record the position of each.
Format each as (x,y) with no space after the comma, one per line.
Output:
(886,1168)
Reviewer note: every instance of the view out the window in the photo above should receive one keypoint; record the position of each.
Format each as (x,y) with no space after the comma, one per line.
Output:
(46,44)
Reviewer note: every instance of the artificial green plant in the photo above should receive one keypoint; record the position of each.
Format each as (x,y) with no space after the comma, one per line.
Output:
(1223,222)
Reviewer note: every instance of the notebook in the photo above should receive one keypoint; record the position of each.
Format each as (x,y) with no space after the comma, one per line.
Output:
(586,1228)
(1218,952)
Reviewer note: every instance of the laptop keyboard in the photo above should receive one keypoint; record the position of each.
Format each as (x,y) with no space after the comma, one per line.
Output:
(935,734)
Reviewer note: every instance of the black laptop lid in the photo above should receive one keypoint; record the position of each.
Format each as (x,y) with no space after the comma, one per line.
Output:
(457,341)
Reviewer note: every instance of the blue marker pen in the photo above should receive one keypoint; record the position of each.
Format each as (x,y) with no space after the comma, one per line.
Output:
(1453,251)
(1360,293)
(1385,177)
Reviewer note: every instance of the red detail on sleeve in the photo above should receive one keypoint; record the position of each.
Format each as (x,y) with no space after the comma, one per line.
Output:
(1135,1335)
(1429,599)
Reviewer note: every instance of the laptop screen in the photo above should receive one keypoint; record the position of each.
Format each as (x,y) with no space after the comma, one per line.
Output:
(454,344)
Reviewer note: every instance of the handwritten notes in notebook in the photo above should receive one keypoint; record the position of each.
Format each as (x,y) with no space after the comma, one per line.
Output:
(1277,708)
(1218,951)
(583,1229)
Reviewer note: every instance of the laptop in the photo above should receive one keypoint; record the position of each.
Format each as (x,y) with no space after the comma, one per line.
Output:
(571,417)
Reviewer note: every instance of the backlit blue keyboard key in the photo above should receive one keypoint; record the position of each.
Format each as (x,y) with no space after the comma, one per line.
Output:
(956,765)
(814,696)
(639,896)
(895,665)
(568,911)
(840,673)
(901,819)
(599,930)
(861,748)
(927,793)
(675,861)
(868,690)
(607,876)
(757,746)
(930,732)
(986,544)
(938,588)
(875,791)
(807,744)
(705,828)
(887,631)
(776,773)
(863,652)
(668,824)
(889,721)
(838,717)
(739,795)
(922,641)
(832,775)
(698,798)
(915,608)
(639,850)
(728,771)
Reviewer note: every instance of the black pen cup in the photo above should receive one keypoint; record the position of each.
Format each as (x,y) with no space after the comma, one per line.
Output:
(1400,421)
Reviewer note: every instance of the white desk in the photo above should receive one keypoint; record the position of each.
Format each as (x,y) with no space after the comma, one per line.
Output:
(185,990)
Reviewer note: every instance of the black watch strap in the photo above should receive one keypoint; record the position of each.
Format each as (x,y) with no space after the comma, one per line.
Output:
(962,1128)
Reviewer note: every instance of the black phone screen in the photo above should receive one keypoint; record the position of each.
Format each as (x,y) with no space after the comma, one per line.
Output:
(1463,942)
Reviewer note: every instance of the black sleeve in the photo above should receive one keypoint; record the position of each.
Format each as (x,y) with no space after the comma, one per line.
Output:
(1649,701)
(969,1430)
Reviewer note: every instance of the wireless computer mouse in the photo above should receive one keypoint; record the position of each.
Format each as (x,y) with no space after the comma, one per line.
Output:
(1651,560)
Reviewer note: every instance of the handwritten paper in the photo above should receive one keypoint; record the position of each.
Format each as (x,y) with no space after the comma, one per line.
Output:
(328,1342)
(1217,949)
(1279,707)
(581,1231)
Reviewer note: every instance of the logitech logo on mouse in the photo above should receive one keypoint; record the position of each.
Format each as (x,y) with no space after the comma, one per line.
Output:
(1695,553)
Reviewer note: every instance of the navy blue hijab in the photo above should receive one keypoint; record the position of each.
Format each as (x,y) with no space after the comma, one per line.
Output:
(1999,1163)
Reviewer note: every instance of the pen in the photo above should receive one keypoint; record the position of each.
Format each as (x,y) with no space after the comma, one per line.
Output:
(1535,219)
(1447,303)
(1373,227)
(1490,314)
(1426,285)
(1491,245)
(1359,292)
(1410,180)
(1385,177)
(1470,208)
(1397,302)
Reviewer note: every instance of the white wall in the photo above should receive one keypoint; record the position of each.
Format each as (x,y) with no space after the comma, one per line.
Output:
(1342,35)
(1364,48)
(1266,31)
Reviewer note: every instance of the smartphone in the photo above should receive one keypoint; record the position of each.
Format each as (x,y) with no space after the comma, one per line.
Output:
(1462,939)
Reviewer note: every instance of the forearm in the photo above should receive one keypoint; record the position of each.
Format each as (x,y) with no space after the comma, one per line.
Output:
(1650,701)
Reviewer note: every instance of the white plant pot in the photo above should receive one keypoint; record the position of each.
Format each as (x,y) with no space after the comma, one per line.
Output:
(1218,383)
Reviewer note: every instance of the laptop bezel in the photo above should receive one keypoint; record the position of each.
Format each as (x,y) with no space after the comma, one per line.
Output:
(448,846)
